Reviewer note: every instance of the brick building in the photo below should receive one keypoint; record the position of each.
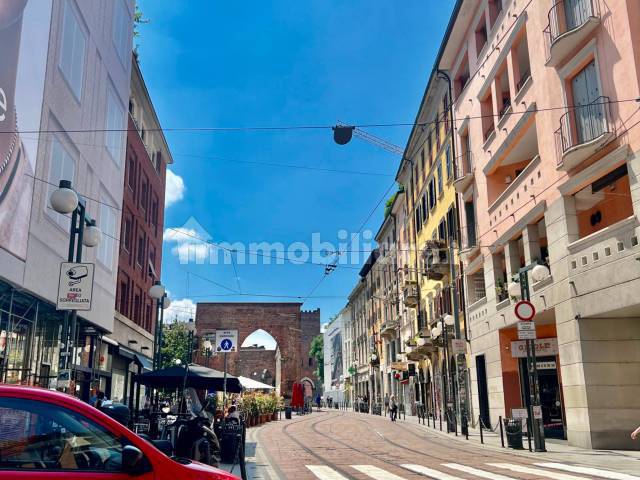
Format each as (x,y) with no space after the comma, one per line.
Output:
(257,363)
(292,328)
(140,255)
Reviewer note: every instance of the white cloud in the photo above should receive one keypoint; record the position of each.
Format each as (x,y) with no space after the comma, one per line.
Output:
(174,190)
(189,244)
(180,310)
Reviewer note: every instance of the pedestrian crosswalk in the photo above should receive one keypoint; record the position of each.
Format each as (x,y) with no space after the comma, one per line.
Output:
(488,471)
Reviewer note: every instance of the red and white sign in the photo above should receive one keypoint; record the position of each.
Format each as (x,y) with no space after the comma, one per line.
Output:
(525,310)
(545,347)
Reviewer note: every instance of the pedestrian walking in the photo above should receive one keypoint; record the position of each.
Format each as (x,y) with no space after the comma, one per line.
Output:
(393,406)
(318,399)
(386,403)
(635,434)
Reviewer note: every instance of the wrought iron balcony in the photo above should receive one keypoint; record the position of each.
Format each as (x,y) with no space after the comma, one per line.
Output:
(570,22)
(463,173)
(411,293)
(583,130)
(389,329)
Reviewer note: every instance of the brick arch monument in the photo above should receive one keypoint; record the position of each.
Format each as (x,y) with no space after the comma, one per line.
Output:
(292,328)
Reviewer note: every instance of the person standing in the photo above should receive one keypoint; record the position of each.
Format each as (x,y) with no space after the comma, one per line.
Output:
(393,408)
(318,399)
(386,403)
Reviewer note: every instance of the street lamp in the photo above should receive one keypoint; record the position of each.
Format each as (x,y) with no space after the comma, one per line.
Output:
(82,231)
(159,293)
(514,290)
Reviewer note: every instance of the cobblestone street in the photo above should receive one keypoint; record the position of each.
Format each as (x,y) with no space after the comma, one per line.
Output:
(337,444)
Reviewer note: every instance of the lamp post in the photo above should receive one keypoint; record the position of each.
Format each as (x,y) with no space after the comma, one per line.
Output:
(442,329)
(159,293)
(539,273)
(83,231)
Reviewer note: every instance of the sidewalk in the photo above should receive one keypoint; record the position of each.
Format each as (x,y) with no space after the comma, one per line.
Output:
(624,461)
(258,467)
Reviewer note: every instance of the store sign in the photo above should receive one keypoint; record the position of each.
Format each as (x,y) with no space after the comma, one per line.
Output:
(458,347)
(545,347)
(519,413)
(75,286)
(546,365)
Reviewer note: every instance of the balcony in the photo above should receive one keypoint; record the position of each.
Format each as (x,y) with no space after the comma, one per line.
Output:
(469,241)
(570,22)
(389,329)
(436,259)
(464,173)
(410,291)
(583,130)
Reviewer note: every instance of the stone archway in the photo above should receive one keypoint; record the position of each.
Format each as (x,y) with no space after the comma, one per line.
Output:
(285,322)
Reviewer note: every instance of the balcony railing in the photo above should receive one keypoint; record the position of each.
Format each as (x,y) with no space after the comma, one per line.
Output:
(570,22)
(583,129)
(411,293)
(463,172)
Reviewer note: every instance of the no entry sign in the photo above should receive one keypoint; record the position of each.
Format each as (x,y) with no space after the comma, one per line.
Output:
(525,310)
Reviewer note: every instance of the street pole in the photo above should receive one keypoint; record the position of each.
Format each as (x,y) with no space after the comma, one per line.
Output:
(445,372)
(224,387)
(532,369)
(461,404)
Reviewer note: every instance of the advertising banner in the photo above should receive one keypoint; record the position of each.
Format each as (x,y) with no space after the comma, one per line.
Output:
(545,347)
(24,43)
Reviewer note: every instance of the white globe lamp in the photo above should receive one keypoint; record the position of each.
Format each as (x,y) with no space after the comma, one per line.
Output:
(449,320)
(540,273)
(91,235)
(157,291)
(64,200)
(514,290)
(166,303)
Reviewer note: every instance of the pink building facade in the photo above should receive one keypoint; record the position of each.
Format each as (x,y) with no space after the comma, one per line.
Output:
(548,154)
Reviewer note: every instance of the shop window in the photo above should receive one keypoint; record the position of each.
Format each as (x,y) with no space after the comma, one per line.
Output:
(462,77)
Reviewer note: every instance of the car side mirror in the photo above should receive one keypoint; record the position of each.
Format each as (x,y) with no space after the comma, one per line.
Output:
(132,460)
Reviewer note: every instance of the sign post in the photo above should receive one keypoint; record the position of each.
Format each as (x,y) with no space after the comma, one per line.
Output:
(525,311)
(226,341)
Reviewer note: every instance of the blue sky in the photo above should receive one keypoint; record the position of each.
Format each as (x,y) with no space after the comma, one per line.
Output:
(227,64)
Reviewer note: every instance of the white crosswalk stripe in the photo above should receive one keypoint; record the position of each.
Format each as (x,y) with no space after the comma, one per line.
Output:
(376,473)
(429,472)
(595,472)
(324,472)
(536,471)
(477,472)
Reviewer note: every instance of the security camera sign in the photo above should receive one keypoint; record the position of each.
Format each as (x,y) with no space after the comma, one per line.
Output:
(75,286)
(226,341)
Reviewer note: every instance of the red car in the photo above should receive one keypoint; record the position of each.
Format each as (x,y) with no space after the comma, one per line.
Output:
(50,435)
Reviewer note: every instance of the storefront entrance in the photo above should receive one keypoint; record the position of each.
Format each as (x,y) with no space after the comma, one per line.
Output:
(550,395)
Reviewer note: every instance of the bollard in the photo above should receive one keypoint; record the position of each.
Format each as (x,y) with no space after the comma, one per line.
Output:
(455,424)
(501,432)
(440,417)
(481,436)
(529,435)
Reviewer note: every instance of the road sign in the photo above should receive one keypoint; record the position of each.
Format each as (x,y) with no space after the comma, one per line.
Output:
(525,310)
(75,286)
(526,330)
(537,412)
(226,341)
(458,347)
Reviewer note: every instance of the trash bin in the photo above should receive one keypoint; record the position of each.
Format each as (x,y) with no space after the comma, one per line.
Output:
(513,430)
(230,443)
(287,413)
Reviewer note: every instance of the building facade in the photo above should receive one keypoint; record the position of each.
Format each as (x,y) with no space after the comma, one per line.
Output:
(334,371)
(545,101)
(74,88)
(141,227)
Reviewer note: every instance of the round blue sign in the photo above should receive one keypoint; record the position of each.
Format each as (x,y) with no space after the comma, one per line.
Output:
(226,344)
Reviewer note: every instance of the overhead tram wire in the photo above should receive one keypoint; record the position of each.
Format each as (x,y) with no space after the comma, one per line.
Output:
(306,127)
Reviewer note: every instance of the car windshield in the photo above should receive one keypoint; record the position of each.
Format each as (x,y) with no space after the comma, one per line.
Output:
(36,435)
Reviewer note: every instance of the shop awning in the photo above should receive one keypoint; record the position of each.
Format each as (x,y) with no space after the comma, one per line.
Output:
(146,362)
(251,384)
(197,376)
